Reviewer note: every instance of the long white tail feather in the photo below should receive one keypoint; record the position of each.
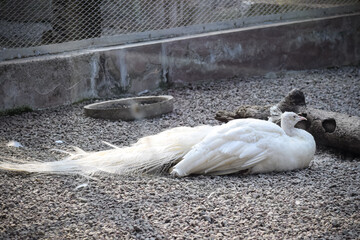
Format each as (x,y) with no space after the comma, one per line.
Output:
(148,154)
(110,145)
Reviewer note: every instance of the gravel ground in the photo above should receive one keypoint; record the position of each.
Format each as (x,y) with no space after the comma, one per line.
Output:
(319,202)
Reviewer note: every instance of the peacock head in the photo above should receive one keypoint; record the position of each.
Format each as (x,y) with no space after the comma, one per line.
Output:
(289,119)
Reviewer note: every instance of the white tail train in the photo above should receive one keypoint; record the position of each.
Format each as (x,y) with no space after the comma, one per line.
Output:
(150,153)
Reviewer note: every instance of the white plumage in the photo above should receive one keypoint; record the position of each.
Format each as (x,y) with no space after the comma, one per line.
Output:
(257,145)
(244,144)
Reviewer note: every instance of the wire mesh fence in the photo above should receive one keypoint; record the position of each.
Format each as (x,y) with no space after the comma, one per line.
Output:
(38,24)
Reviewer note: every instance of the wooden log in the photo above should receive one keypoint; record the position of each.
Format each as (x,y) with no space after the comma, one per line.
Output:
(334,129)
(337,130)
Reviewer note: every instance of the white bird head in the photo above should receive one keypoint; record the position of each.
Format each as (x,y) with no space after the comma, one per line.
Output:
(289,120)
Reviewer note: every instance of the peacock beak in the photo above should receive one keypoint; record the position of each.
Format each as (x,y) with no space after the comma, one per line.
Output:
(302,118)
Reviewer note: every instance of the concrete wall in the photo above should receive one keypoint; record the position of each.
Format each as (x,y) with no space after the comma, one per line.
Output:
(54,80)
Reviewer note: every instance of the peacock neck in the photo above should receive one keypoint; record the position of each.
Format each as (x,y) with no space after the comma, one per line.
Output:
(290,130)
(295,132)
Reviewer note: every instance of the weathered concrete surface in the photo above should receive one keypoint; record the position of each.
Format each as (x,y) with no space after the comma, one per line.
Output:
(108,72)
(131,69)
(45,83)
(310,44)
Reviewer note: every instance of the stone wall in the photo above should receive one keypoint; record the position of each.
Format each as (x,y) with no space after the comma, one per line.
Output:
(54,80)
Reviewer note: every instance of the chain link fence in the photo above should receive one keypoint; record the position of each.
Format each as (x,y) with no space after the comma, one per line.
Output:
(35,27)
